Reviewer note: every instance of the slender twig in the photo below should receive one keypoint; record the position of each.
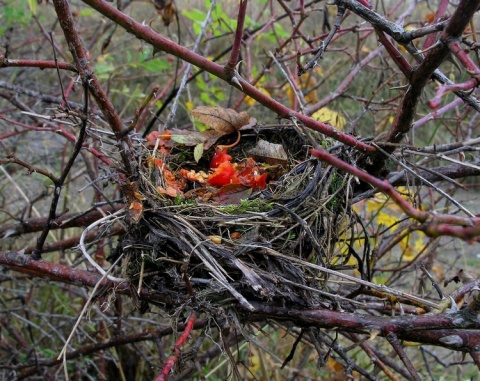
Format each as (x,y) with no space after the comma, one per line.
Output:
(42,64)
(39,96)
(58,184)
(434,284)
(186,74)
(63,353)
(323,47)
(140,111)
(65,101)
(393,340)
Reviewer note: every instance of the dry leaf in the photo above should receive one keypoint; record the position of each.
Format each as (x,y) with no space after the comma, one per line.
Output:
(224,121)
(460,276)
(193,138)
(232,194)
(266,152)
(135,211)
(167,9)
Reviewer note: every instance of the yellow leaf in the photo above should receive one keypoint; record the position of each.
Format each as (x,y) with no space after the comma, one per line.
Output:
(387,219)
(414,245)
(408,27)
(189,105)
(250,101)
(333,365)
(32,5)
(139,196)
(254,363)
(306,85)
(331,117)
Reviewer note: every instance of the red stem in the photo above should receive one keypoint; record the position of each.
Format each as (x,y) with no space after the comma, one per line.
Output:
(9,62)
(237,43)
(435,224)
(177,348)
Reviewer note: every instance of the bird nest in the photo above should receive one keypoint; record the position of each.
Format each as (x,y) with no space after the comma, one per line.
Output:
(209,246)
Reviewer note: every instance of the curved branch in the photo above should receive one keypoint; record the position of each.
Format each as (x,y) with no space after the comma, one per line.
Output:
(161,43)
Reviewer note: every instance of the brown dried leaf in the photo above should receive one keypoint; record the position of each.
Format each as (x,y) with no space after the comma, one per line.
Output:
(460,276)
(224,121)
(270,153)
(232,194)
(167,9)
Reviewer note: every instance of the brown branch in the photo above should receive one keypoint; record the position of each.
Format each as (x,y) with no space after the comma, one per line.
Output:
(393,340)
(39,96)
(66,274)
(459,293)
(12,159)
(438,329)
(455,171)
(384,362)
(63,222)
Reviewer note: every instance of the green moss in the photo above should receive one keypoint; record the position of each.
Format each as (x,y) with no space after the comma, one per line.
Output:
(246,206)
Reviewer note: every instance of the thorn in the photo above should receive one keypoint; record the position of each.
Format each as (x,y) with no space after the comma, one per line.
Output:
(453,307)
(236,81)
(237,66)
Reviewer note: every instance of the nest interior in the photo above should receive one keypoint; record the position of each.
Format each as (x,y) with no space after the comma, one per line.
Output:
(270,246)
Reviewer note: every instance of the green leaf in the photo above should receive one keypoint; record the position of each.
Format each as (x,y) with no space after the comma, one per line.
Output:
(14,12)
(195,15)
(156,65)
(207,99)
(103,70)
(86,12)
(198,152)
